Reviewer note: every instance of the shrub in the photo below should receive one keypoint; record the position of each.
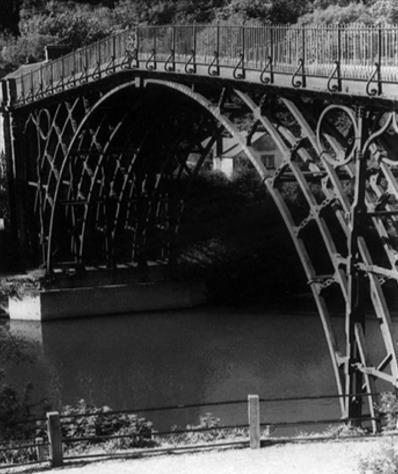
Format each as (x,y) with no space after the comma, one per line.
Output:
(388,409)
(385,11)
(14,408)
(136,431)
(343,430)
(333,14)
(102,423)
(16,455)
(383,460)
(68,23)
(25,49)
(199,434)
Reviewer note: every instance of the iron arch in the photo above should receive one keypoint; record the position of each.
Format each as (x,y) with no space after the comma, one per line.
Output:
(302,155)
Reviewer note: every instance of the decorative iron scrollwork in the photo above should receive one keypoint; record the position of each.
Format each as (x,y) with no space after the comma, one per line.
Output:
(190,66)
(83,76)
(150,64)
(110,67)
(71,81)
(338,160)
(267,74)
(214,67)
(296,83)
(97,71)
(375,77)
(170,64)
(335,75)
(240,65)
(130,60)
(389,126)
(40,93)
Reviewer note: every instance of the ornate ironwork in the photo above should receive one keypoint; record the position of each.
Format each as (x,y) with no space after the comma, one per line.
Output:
(375,77)
(151,63)
(83,158)
(267,75)
(239,70)
(299,71)
(214,66)
(170,64)
(190,65)
(335,75)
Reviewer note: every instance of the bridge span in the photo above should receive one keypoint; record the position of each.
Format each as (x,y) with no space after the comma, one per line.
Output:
(103,144)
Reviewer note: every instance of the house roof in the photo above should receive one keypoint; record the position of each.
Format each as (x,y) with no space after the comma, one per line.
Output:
(260,142)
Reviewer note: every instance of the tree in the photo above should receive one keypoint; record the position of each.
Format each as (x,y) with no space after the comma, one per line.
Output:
(335,14)
(269,11)
(385,11)
(67,23)
(9,15)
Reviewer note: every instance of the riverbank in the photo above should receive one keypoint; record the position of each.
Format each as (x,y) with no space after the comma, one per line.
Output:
(331,457)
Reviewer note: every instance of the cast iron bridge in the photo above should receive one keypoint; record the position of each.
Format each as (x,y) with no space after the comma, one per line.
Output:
(100,147)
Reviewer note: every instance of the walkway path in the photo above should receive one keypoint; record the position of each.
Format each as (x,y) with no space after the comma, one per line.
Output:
(331,457)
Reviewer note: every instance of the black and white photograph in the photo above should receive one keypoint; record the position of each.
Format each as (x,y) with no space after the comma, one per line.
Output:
(199,236)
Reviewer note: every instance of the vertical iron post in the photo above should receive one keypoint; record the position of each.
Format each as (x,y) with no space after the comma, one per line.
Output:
(52,76)
(338,62)
(355,282)
(155,37)
(303,78)
(243,47)
(379,60)
(173,48)
(173,38)
(8,91)
(63,73)
(87,65)
(41,83)
(194,49)
(195,40)
(218,39)
(99,59)
(113,53)
(137,42)
(271,43)
(137,46)
(16,143)
(22,79)
(74,68)
(31,85)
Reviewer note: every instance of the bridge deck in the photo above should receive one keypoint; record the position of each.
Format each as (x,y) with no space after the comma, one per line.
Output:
(358,60)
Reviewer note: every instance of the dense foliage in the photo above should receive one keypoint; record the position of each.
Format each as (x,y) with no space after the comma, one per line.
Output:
(26,26)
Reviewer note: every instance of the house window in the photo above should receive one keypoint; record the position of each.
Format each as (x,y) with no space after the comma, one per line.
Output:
(269,161)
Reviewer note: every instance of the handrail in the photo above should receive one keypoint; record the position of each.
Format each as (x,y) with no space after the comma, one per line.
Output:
(57,431)
(355,47)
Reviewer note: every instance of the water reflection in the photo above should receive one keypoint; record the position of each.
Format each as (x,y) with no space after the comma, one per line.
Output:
(195,356)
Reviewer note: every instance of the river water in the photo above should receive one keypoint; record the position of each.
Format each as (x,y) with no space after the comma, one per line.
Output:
(182,357)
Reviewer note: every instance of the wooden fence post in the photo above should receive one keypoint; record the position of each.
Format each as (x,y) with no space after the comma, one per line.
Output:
(254,420)
(54,438)
(41,451)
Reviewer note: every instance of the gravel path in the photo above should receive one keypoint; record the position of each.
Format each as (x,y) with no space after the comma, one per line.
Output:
(307,458)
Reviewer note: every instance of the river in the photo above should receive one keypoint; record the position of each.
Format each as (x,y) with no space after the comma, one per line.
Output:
(182,357)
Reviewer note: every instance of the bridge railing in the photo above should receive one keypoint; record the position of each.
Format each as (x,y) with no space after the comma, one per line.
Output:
(356,52)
